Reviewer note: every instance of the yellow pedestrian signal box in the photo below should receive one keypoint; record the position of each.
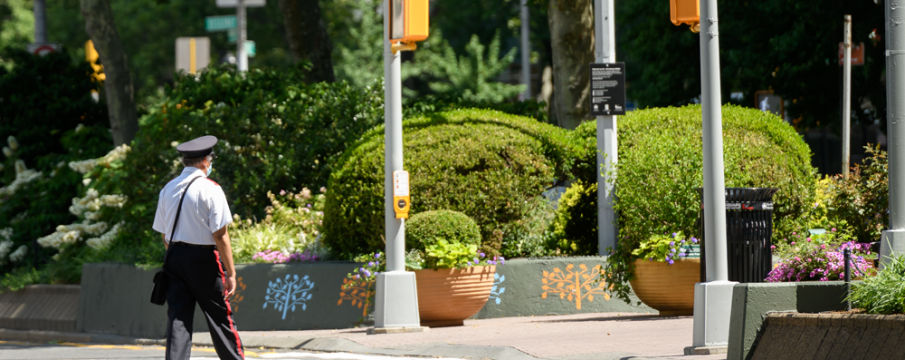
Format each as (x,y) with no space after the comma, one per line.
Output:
(686,12)
(401,200)
(92,57)
(409,23)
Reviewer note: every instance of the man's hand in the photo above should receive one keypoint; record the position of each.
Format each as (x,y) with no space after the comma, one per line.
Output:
(230,286)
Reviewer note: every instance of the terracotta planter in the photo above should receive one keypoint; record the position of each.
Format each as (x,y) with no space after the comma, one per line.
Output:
(667,288)
(447,297)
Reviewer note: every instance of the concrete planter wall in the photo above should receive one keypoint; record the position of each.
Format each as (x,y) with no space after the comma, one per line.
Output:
(751,303)
(831,336)
(114,298)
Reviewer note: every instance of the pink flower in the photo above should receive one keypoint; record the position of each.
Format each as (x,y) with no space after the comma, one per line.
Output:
(772,247)
(809,239)
(282,192)
(793,243)
(833,229)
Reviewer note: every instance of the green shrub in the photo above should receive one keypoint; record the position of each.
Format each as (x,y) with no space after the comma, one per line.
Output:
(47,119)
(660,166)
(292,226)
(529,236)
(483,163)
(860,204)
(425,228)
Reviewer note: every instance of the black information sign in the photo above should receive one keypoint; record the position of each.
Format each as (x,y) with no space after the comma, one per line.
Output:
(608,88)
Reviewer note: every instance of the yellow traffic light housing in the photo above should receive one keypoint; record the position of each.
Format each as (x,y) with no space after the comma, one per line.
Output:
(92,57)
(686,12)
(409,23)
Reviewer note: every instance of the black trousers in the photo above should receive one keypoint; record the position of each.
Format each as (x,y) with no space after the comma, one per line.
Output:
(195,275)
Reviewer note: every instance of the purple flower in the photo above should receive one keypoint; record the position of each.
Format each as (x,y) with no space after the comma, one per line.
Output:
(694,240)
(371,264)
(667,257)
(367,273)
(672,243)
(671,262)
(683,241)
(481,254)
(475,261)
(309,205)
(361,270)
(674,234)
(377,256)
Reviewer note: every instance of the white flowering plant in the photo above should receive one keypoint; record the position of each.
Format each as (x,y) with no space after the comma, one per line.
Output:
(290,231)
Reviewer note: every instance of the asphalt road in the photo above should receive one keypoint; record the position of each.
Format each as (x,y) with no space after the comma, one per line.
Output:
(33,351)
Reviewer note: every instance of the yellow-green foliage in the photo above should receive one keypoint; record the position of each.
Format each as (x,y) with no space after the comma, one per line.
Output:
(425,228)
(293,225)
(575,224)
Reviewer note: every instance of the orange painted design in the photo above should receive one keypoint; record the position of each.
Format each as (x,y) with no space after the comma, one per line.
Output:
(574,284)
(360,294)
(237,296)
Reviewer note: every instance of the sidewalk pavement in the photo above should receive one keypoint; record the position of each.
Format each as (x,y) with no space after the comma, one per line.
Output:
(597,336)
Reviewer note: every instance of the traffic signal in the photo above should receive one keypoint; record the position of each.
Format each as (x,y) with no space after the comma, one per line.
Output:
(409,23)
(92,57)
(686,12)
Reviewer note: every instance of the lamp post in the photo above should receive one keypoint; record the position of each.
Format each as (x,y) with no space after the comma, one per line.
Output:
(893,240)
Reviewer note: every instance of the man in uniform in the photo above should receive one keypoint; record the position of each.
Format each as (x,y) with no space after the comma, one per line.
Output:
(199,244)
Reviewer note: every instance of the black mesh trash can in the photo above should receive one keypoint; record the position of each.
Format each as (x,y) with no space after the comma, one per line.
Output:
(749,229)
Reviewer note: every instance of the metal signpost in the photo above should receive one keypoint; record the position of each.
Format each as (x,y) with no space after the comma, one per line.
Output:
(526,51)
(240,5)
(847,96)
(607,149)
(893,240)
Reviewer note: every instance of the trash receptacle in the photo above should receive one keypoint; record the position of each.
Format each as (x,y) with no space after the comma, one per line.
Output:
(749,229)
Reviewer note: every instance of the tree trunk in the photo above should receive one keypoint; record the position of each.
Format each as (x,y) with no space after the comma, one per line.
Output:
(308,39)
(118,84)
(572,37)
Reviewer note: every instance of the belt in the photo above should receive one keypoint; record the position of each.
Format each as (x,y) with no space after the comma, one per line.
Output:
(184,244)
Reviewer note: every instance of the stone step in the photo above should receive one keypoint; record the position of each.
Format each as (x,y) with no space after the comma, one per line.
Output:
(40,307)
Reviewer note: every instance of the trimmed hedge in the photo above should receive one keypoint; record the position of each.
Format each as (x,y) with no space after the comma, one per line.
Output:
(483,163)
(424,228)
(661,159)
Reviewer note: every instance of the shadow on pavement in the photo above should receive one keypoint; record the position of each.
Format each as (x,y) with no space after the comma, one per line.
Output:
(614,318)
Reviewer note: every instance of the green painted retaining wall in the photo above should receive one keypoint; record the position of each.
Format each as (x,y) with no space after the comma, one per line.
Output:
(114,298)
(752,302)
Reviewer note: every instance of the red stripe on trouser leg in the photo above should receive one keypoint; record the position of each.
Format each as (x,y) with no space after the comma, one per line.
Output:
(229,311)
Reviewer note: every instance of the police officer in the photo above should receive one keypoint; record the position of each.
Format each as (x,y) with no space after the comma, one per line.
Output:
(198,253)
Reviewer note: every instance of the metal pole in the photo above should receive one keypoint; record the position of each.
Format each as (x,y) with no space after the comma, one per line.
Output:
(714,182)
(241,56)
(847,255)
(894,238)
(396,298)
(395,228)
(40,21)
(526,51)
(847,96)
(607,149)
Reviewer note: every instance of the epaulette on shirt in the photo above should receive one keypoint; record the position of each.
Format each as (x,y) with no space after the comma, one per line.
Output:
(215,183)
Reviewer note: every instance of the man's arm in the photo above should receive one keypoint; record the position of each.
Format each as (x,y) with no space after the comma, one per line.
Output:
(221,237)
(164,237)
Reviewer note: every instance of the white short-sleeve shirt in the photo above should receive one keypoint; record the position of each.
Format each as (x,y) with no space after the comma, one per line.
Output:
(204,211)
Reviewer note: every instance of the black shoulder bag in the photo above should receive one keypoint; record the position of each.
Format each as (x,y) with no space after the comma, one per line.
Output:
(159,293)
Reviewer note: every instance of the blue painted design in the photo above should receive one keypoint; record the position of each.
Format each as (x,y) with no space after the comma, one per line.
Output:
(287,293)
(494,293)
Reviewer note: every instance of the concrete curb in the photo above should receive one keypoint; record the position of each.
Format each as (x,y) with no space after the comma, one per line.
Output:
(310,344)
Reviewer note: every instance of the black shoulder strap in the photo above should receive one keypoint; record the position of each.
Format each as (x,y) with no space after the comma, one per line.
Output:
(175,222)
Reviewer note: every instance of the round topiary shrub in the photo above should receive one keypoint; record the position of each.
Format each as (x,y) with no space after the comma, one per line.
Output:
(661,165)
(424,228)
(485,164)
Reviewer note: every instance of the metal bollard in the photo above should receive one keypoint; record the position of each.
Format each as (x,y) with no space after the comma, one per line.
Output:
(847,254)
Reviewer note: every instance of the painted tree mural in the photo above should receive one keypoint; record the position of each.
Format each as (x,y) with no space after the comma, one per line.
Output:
(288,294)
(359,293)
(574,285)
(238,297)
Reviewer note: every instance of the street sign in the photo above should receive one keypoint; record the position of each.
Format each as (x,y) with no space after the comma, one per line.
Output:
(401,196)
(192,54)
(607,89)
(857,54)
(43,48)
(250,48)
(235,3)
(220,23)
(232,36)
